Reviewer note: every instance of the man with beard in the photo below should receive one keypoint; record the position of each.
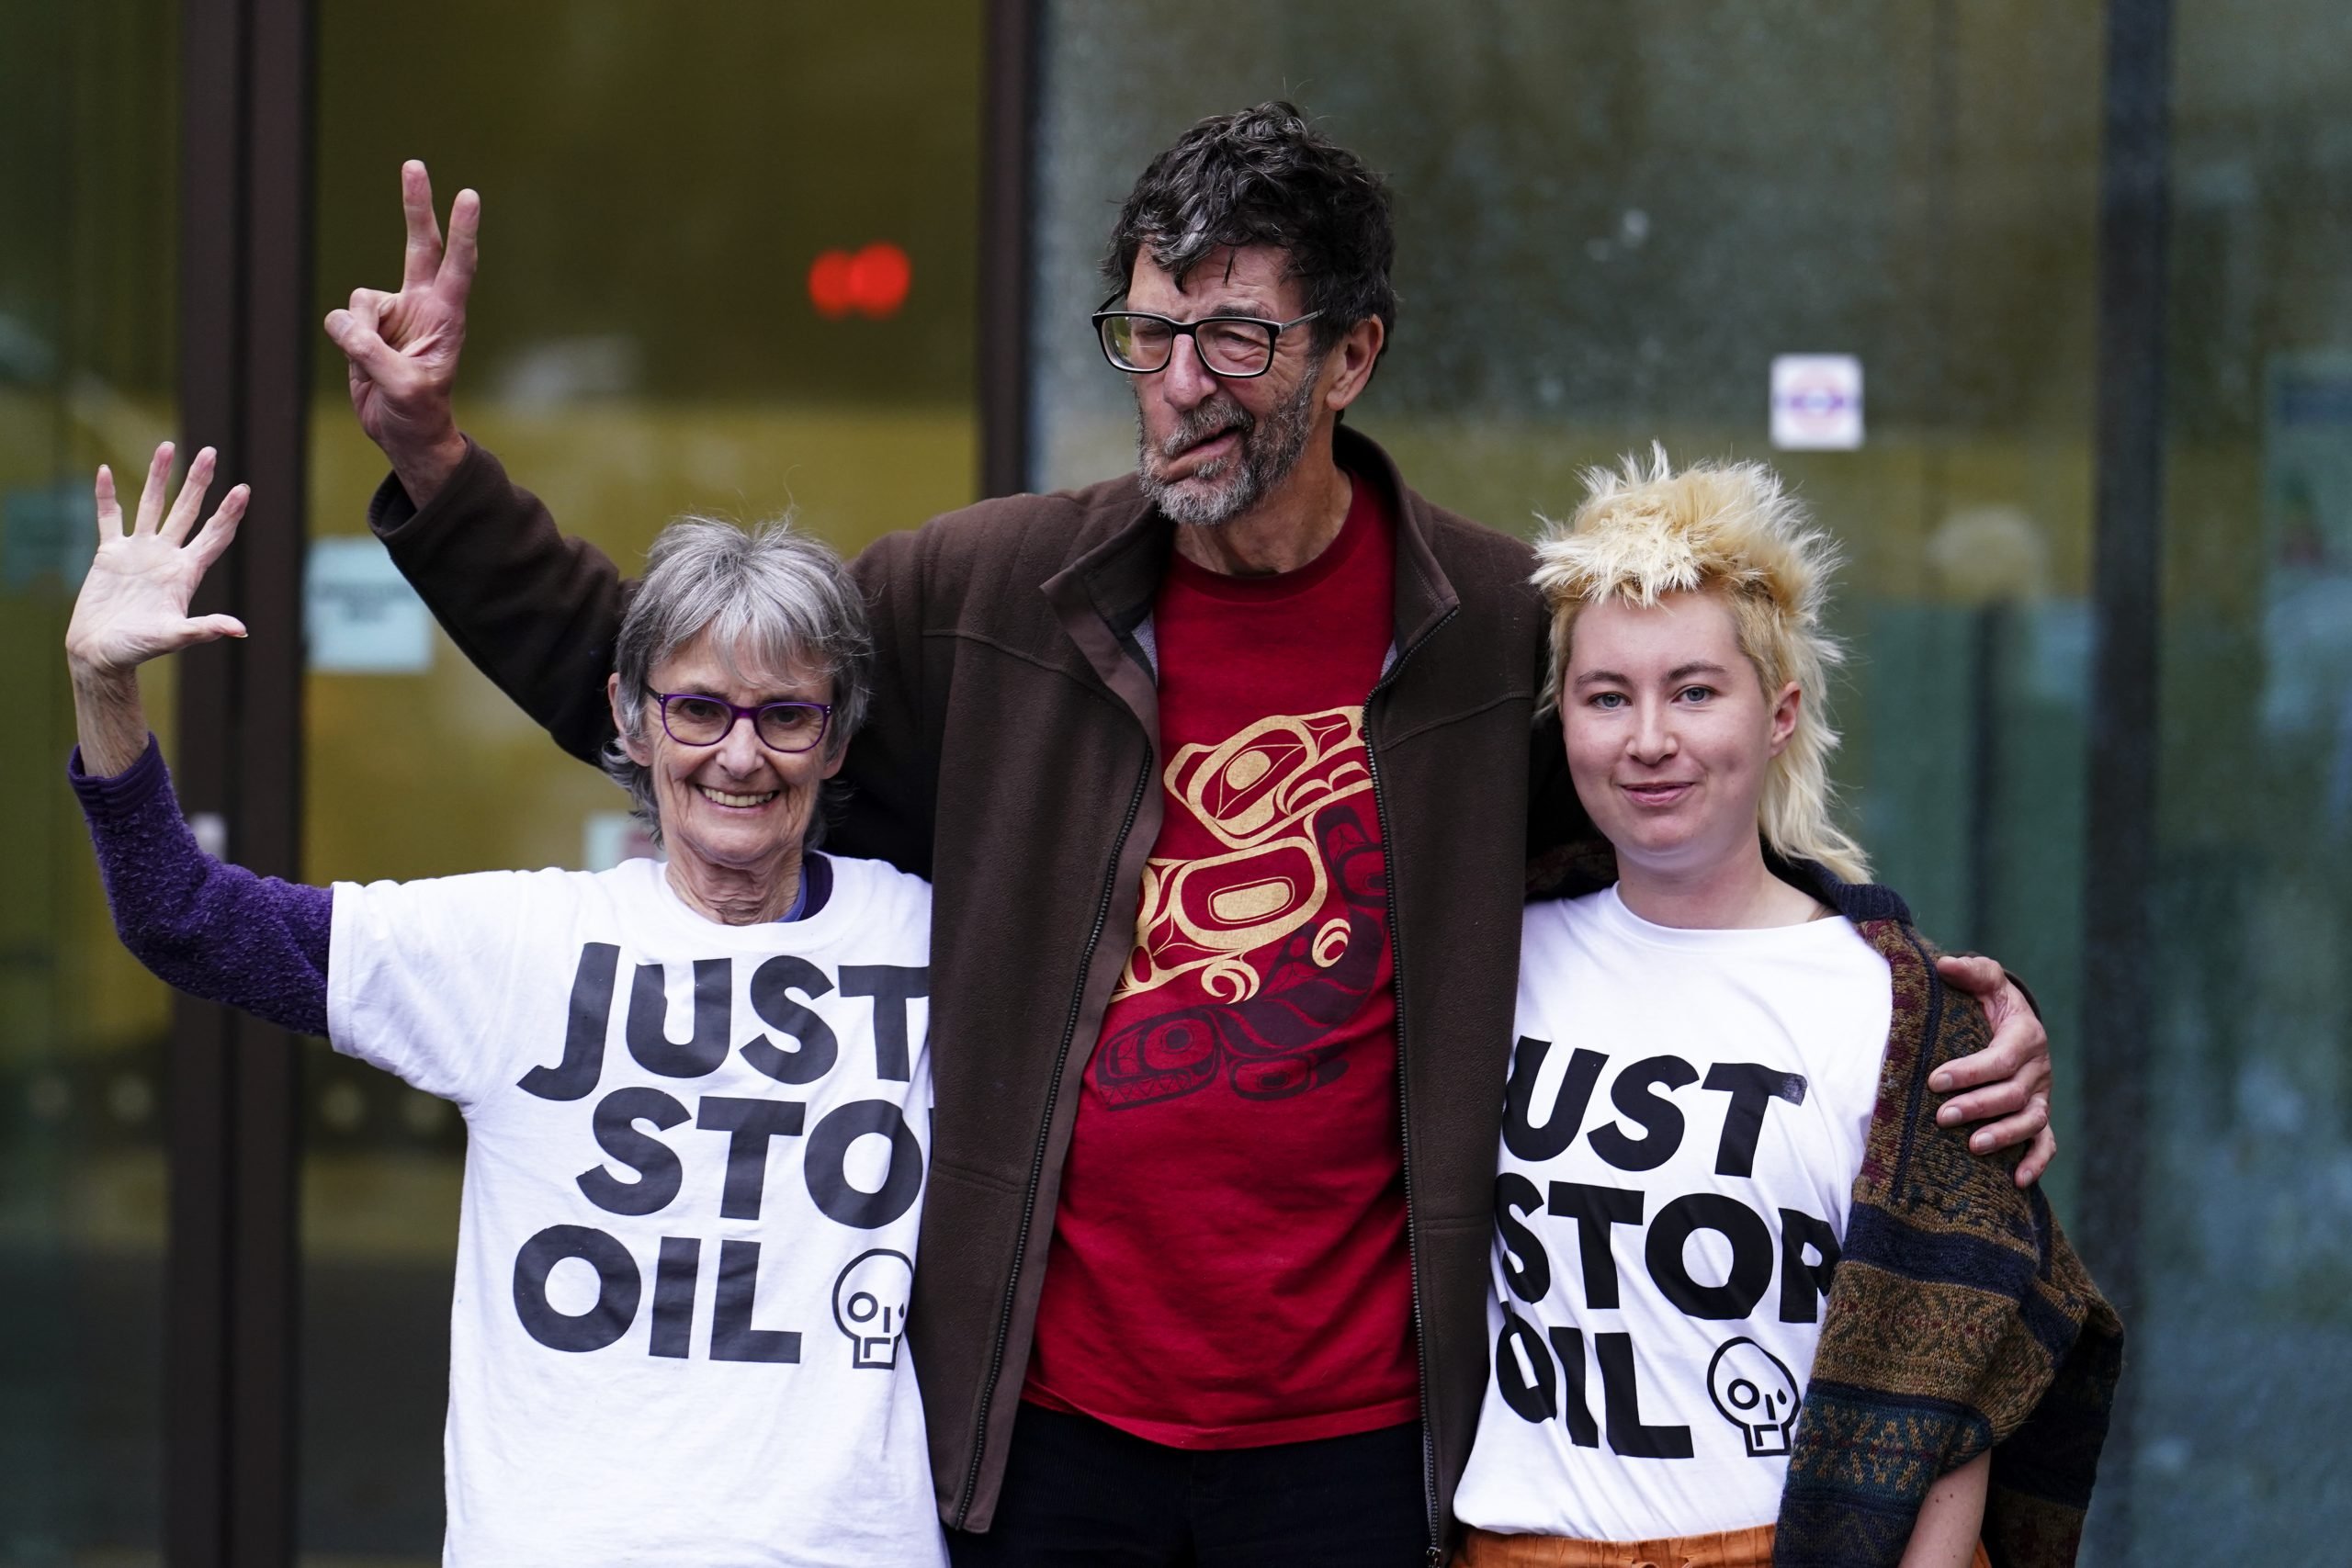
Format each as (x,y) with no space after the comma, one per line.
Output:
(1222,773)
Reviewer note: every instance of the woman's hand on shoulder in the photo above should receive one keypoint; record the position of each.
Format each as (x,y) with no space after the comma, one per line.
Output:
(133,603)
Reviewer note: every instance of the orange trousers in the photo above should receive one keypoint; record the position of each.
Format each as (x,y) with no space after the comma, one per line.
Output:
(1731,1549)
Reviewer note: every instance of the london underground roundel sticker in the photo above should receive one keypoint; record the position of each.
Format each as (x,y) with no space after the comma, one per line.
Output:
(1816,402)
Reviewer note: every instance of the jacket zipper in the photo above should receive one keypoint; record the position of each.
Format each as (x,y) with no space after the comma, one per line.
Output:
(1436,1551)
(1045,1133)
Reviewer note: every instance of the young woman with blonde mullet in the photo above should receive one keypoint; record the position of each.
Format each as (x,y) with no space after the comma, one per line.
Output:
(1751,1304)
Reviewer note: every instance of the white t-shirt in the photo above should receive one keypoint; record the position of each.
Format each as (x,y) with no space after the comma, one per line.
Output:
(694,1153)
(1685,1118)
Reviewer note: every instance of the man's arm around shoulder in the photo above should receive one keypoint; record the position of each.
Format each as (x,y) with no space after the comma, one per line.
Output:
(535,611)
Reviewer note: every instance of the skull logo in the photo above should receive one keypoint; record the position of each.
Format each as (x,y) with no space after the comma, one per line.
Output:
(870,1306)
(1756,1393)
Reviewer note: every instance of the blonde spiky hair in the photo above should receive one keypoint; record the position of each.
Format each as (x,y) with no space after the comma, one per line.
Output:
(1727,529)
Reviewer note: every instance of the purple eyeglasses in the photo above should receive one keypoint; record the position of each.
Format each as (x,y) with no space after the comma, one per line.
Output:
(693,718)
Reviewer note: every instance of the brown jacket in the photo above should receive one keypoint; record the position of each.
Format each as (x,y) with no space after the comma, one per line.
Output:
(1011,756)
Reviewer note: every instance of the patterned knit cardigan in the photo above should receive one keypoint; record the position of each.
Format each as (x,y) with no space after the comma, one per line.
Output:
(1959,1318)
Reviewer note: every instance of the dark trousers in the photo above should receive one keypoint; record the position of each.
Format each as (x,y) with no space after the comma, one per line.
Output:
(1081,1494)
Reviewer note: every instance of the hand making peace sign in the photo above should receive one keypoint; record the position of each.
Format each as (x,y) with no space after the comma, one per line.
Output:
(403,347)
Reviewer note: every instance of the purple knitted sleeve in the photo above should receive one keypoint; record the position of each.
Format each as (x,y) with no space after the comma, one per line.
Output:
(214,931)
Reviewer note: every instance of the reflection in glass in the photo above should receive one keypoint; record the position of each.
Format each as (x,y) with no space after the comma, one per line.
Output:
(727,264)
(1612,220)
(2247,1227)
(87,116)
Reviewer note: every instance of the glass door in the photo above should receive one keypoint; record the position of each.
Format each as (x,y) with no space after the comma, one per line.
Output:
(1619,225)
(88,114)
(2244,1352)
(728,267)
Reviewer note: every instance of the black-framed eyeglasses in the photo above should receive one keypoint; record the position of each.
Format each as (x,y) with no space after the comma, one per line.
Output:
(693,718)
(1234,346)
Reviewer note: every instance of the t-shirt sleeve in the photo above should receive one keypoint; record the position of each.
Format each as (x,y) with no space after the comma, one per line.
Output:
(424,977)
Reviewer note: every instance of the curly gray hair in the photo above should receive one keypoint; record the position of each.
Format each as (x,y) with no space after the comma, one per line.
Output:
(770,594)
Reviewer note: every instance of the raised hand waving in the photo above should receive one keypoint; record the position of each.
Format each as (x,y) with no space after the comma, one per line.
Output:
(133,604)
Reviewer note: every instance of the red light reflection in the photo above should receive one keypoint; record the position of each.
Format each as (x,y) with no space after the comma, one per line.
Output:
(874,282)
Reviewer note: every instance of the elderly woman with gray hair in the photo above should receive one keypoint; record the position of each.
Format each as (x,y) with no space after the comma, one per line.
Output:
(695,1091)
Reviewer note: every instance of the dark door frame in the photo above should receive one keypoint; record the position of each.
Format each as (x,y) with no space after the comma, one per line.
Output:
(1008,164)
(231,1322)
(2127,565)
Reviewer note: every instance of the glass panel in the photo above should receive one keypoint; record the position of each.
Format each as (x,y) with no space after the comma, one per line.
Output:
(1612,219)
(729,257)
(1611,222)
(2247,1349)
(89,114)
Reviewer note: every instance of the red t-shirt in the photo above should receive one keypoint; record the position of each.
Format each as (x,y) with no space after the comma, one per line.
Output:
(1228,1265)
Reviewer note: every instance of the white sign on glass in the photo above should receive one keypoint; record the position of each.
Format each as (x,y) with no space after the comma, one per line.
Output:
(359,615)
(1816,402)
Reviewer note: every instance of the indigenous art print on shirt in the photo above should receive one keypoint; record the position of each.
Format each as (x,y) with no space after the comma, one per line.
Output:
(1683,1122)
(695,1156)
(1279,930)
(1228,1265)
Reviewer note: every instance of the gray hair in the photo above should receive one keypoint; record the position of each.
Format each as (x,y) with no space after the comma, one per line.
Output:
(1265,176)
(772,595)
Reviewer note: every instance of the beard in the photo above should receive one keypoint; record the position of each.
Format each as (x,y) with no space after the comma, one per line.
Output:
(1219,491)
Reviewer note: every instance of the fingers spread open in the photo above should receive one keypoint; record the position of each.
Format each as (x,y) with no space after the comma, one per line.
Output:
(189,503)
(457,279)
(204,628)
(110,509)
(150,494)
(219,528)
(422,258)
